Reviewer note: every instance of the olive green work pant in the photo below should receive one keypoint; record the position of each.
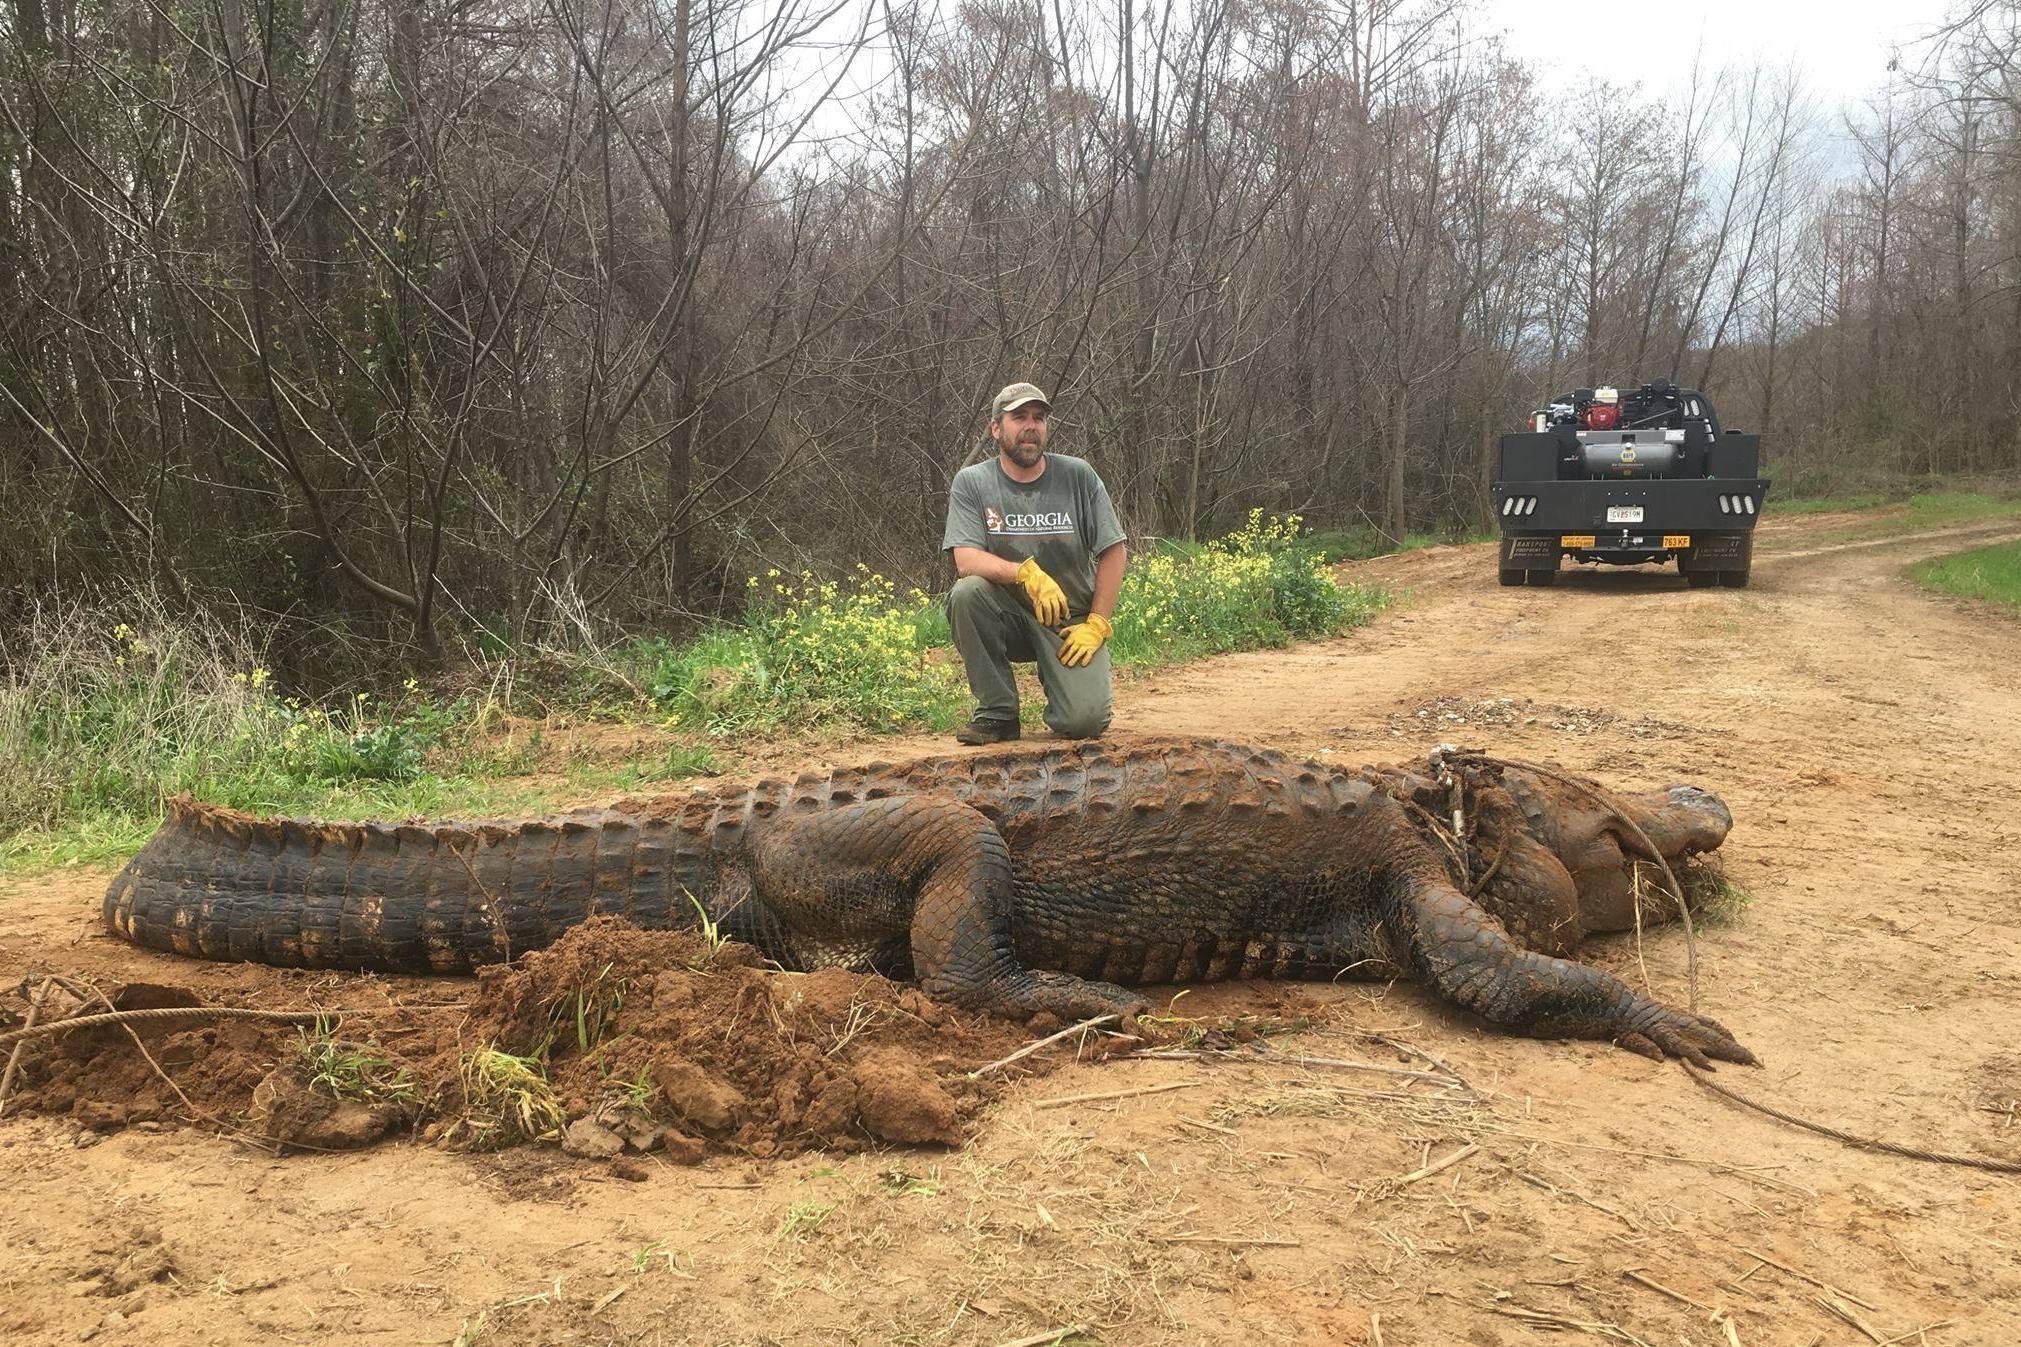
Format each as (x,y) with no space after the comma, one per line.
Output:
(994,628)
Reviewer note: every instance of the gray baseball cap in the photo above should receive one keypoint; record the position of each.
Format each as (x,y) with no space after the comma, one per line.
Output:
(1015,396)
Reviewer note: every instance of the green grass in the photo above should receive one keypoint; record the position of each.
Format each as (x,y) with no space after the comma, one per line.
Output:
(1359,544)
(106,712)
(1989,573)
(506,1099)
(1913,514)
(804,1218)
(1869,500)
(1935,509)
(352,1071)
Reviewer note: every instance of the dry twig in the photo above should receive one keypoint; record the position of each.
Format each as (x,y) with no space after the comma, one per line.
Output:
(1443,1162)
(1030,1048)
(1063,1100)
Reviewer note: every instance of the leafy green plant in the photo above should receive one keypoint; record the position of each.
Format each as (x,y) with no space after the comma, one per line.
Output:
(851,650)
(352,1071)
(1711,898)
(904,1183)
(804,1218)
(658,1249)
(711,932)
(586,1012)
(506,1099)
(1266,584)
(641,1092)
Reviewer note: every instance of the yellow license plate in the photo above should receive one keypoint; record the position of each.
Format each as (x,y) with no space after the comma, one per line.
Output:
(1576,540)
(1677,540)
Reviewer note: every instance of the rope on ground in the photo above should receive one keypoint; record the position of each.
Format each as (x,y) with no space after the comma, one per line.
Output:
(169,1012)
(1850,1139)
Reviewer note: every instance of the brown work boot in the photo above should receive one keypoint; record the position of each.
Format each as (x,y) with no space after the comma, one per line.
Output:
(980,731)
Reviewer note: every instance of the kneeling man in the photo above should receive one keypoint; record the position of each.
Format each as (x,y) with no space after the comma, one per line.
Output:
(1040,556)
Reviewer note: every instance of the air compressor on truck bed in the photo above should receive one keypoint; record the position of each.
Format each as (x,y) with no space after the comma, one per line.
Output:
(1625,476)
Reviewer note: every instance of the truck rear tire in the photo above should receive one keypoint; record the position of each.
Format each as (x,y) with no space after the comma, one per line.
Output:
(1733,579)
(1509,577)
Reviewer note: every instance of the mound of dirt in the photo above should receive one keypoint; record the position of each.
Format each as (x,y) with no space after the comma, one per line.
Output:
(102,1079)
(720,1054)
(614,1040)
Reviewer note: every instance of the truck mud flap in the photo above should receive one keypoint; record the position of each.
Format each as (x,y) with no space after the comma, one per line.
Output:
(1530,554)
(1717,552)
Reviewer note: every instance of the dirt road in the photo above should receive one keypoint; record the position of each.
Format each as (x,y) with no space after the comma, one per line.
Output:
(1866,736)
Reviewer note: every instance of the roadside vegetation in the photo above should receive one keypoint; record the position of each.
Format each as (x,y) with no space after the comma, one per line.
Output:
(1882,514)
(1989,573)
(1920,509)
(1359,544)
(107,709)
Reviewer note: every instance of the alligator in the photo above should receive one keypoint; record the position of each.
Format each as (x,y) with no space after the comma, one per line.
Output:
(1029,880)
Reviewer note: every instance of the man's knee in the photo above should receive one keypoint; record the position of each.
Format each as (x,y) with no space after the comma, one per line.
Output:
(969,593)
(1090,723)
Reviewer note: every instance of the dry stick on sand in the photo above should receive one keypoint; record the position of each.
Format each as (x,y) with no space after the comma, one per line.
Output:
(1066,1099)
(1753,1172)
(1803,1276)
(1443,1162)
(1845,1312)
(35,1004)
(1265,1241)
(1030,1048)
(1558,1322)
(1295,1059)
(1416,1051)
(1632,1275)
(1551,1187)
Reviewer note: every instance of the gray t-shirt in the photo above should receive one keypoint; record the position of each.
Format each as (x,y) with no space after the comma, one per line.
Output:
(1064,519)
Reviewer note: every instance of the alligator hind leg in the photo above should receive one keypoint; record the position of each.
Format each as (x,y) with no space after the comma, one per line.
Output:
(926,867)
(1458,949)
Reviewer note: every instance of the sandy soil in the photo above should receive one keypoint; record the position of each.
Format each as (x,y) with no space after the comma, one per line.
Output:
(1864,733)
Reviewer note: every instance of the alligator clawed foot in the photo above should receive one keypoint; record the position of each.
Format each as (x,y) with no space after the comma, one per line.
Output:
(1071,998)
(1678,1033)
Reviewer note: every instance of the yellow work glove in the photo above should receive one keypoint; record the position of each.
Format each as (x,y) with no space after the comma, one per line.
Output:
(1083,639)
(1049,601)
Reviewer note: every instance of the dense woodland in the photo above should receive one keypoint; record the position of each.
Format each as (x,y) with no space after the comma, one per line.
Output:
(535,320)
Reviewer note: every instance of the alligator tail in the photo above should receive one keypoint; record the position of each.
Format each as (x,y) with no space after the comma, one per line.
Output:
(406,898)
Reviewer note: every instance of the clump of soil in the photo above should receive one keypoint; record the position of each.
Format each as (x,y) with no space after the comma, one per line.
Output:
(102,1080)
(664,1041)
(637,1040)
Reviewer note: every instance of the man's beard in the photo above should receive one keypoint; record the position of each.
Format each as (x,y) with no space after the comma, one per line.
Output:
(1025,453)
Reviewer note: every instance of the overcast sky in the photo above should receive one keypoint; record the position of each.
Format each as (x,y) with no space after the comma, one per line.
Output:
(1842,48)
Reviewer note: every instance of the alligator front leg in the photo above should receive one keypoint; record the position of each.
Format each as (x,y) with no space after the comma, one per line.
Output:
(1459,949)
(924,867)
